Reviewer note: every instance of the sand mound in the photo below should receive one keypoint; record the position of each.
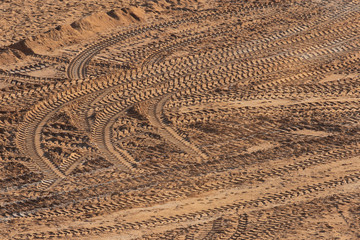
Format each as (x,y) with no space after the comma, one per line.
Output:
(10,56)
(79,30)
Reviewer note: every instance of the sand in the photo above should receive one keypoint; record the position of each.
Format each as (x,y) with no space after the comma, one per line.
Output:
(179,119)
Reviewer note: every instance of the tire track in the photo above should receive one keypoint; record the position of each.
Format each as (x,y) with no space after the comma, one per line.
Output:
(290,194)
(235,179)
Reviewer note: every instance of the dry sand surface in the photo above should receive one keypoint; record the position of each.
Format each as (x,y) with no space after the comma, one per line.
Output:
(178,119)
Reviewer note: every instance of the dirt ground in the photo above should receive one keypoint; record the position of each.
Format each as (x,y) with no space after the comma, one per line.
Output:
(180,119)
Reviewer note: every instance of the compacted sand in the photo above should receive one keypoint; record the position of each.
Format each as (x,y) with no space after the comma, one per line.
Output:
(180,119)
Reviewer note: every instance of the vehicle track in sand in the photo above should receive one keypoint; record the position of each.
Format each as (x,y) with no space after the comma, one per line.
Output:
(239,121)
